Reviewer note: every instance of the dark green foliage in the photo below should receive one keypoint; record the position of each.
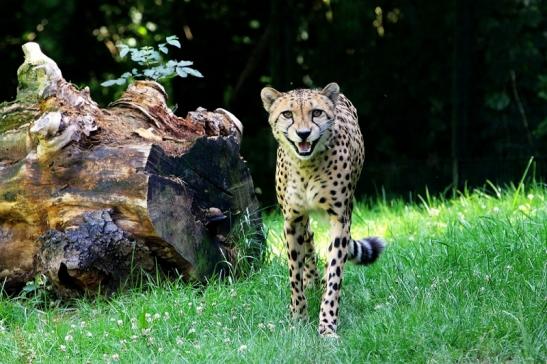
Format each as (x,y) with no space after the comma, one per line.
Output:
(422,74)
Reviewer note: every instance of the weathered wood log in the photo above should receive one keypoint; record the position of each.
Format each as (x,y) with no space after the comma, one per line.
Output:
(79,185)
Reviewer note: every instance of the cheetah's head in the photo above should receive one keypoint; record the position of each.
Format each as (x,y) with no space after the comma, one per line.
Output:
(301,120)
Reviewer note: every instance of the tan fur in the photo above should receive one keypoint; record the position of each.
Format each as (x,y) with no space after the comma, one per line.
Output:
(325,180)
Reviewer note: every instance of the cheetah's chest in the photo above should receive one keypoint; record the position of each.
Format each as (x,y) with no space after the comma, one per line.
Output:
(306,188)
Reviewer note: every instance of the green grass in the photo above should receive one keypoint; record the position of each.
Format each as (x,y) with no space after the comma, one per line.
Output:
(462,280)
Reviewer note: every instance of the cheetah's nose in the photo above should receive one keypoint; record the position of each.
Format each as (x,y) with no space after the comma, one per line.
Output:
(303,133)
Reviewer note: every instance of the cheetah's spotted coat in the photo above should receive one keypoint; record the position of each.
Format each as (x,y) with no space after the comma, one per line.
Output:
(319,160)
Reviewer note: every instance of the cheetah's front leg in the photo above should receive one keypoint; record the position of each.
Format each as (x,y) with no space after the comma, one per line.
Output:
(337,256)
(311,274)
(295,234)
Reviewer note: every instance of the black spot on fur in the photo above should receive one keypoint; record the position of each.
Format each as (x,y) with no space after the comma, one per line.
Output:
(294,253)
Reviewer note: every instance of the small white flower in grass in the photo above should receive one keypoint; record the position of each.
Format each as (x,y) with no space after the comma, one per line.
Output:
(227,340)
(148,317)
(72,326)
(192,330)
(115,357)
(160,349)
(166,315)
(119,322)
(530,196)
(199,309)
(157,316)
(134,337)
(82,324)
(242,348)
(261,325)
(146,332)
(271,326)
(495,210)
(69,338)
(434,212)
(62,348)
(88,334)
(476,273)
(179,340)
(197,346)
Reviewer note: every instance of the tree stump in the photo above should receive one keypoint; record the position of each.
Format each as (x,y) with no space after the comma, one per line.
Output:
(88,195)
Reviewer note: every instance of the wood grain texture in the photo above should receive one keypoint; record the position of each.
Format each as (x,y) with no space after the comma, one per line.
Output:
(172,188)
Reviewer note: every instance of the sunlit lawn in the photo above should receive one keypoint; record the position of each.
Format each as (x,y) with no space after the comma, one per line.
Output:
(462,280)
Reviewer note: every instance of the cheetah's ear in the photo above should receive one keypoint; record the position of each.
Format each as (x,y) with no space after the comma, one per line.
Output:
(269,95)
(332,90)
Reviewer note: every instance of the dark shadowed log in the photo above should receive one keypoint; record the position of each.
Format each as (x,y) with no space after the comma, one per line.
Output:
(174,190)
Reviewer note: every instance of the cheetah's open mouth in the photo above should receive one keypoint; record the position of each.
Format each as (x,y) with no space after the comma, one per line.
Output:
(304,148)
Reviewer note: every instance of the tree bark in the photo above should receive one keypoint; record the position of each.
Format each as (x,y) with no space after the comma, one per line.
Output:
(90,195)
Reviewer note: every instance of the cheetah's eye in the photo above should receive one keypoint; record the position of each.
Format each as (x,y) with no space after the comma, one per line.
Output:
(287,114)
(317,113)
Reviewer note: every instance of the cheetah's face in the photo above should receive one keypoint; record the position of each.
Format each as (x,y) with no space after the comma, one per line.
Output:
(301,120)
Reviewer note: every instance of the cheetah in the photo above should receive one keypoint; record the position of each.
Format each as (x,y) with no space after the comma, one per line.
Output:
(319,160)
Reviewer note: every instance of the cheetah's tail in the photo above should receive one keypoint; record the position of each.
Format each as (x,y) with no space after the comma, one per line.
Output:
(366,250)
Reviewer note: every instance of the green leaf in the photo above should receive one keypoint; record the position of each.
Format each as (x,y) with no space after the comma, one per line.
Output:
(30,287)
(193,72)
(109,83)
(181,72)
(123,50)
(163,48)
(171,63)
(173,40)
(184,63)
(137,56)
(541,129)
(498,101)
(150,73)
